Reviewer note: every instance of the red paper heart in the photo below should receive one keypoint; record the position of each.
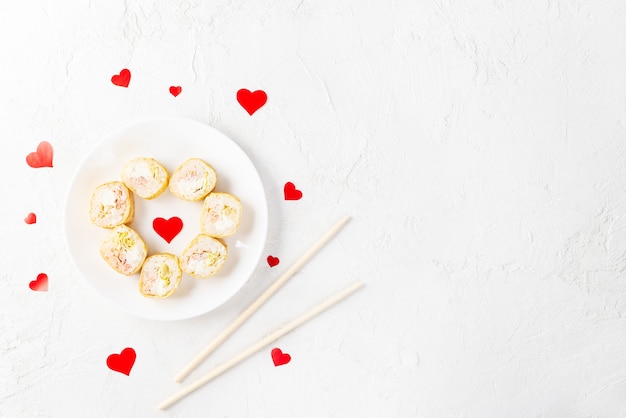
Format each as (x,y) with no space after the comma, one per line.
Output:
(167,229)
(175,90)
(272,261)
(30,219)
(279,358)
(251,101)
(291,193)
(122,79)
(42,157)
(122,362)
(40,284)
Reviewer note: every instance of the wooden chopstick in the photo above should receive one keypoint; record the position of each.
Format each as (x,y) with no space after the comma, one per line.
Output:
(259,345)
(261,300)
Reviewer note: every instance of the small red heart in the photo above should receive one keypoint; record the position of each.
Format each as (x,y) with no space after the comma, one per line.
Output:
(251,101)
(122,362)
(279,358)
(291,193)
(122,79)
(42,157)
(272,261)
(40,284)
(167,229)
(30,219)
(175,90)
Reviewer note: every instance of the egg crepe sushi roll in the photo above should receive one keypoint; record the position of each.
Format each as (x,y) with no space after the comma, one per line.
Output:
(146,177)
(160,276)
(221,214)
(193,180)
(124,250)
(203,257)
(111,205)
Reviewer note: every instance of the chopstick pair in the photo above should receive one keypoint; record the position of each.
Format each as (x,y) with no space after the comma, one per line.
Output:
(253,308)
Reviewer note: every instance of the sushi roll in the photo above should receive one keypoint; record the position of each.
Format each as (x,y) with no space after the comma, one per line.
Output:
(124,250)
(193,180)
(203,257)
(221,215)
(111,205)
(146,177)
(160,276)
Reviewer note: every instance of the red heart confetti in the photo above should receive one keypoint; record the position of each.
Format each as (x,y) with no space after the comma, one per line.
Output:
(167,229)
(279,358)
(122,362)
(251,101)
(122,79)
(42,157)
(175,90)
(30,219)
(272,261)
(40,284)
(291,193)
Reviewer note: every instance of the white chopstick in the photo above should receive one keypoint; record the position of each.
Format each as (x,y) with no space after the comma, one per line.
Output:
(259,345)
(261,300)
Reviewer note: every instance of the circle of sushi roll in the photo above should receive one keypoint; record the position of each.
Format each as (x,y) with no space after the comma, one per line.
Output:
(193,180)
(203,257)
(160,276)
(146,177)
(221,214)
(111,205)
(124,250)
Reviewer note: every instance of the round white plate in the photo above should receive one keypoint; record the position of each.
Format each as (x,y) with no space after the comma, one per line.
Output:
(169,141)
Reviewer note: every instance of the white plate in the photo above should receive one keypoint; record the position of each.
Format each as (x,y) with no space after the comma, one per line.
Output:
(169,141)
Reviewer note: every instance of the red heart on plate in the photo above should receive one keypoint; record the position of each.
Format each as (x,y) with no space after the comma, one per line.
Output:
(40,284)
(167,229)
(42,157)
(251,101)
(30,219)
(272,261)
(122,362)
(175,90)
(291,193)
(122,79)
(279,358)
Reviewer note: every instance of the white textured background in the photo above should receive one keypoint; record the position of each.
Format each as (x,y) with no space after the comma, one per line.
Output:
(479,145)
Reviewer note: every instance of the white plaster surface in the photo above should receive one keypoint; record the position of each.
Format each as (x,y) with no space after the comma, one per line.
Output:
(479,146)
